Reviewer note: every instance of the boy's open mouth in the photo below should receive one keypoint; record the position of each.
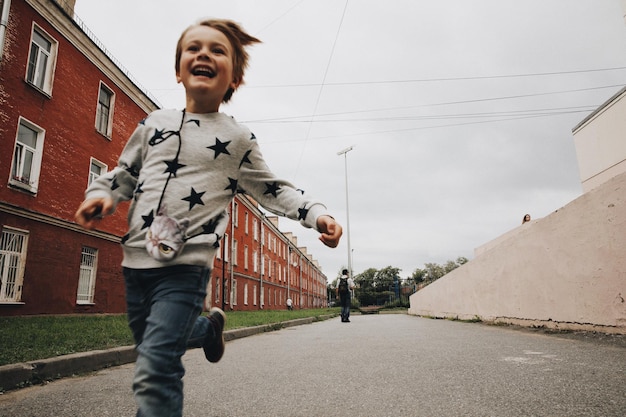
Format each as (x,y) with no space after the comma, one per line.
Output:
(203,71)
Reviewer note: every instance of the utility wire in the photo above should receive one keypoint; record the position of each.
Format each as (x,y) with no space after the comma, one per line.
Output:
(319,94)
(429,105)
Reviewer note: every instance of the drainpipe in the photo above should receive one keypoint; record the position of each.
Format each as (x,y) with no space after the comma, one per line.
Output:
(233,290)
(4,21)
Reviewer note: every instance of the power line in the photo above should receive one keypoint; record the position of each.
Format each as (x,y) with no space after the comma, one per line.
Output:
(433,104)
(319,94)
(423,80)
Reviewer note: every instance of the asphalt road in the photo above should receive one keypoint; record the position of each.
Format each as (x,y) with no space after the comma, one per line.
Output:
(377,365)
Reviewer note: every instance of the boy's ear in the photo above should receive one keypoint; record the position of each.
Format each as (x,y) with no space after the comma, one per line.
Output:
(178,79)
(235,83)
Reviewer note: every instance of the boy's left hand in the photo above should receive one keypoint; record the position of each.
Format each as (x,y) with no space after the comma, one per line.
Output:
(331,231)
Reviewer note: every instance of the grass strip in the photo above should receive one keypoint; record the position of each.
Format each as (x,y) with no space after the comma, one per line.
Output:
(30,338)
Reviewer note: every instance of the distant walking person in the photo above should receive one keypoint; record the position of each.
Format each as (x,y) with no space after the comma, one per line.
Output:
(289,304)
(344,286)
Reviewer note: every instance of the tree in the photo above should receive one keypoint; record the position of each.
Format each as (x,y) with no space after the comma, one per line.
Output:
(386,277)
(418,276)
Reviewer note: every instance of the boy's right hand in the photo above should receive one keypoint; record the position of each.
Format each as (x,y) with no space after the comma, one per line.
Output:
(92,210)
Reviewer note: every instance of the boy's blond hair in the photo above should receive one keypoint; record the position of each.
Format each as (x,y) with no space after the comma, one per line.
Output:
(238,39)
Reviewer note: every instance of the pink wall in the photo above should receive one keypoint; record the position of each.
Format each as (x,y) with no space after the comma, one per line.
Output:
(566,270)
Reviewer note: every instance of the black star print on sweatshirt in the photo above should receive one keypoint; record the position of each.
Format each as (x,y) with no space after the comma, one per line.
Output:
(194,198)
(219,147)
(272,189)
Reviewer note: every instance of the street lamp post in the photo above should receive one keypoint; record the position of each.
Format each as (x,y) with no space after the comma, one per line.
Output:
(345,158)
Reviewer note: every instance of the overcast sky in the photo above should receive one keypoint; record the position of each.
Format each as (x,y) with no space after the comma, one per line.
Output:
(460,112)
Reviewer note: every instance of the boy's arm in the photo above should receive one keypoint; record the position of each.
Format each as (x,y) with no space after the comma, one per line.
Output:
(283,199)
(106,191)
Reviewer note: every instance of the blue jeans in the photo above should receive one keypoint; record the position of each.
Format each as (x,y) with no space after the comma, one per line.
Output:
(344,299)
(164,307)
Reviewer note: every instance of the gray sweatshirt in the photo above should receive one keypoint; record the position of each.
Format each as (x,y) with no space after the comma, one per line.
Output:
(191,166)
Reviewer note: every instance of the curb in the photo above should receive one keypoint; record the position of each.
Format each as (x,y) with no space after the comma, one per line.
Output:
(24,374)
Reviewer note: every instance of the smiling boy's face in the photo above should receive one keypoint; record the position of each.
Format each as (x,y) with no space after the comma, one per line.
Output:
(205,68)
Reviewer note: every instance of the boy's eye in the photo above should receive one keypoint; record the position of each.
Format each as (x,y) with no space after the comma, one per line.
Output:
(219,51)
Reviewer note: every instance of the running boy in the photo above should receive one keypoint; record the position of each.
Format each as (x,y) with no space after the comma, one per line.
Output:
(181,169)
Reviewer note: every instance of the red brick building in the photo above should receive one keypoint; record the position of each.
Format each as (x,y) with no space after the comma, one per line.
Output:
(66,111)
(260,267)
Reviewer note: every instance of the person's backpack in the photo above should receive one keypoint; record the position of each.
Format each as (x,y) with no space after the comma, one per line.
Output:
(343,285)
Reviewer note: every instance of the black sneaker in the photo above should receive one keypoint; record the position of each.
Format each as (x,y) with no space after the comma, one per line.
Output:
(214,348)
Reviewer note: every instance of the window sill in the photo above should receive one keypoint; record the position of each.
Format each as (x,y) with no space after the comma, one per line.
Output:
(104,135)
(12,303)
(84,303)
(20,186)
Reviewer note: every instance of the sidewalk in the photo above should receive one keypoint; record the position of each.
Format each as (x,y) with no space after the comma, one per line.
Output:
(20,375)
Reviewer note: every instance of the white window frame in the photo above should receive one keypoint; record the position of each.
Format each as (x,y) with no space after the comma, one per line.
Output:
(13,249)
(235,249)
(104,115)
(233,292)
(255,262)
(87,276)
(245,257)
(235,214)
(22,152)
(245,293)
(93,175)
(40,67)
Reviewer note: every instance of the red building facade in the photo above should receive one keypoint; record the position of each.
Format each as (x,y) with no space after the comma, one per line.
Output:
(66,111)
(259,267)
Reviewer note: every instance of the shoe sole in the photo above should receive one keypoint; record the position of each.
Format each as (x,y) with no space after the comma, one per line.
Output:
(215,351)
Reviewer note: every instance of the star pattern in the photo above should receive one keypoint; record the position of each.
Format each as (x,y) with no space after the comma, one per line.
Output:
(147,220)
(138,190)
(209,228)
(173,166)
(220,147)
(272,188)
(157,137)
(245,159)
(114,184)
(302,213)
(133,171)
(194,198)
(232,186)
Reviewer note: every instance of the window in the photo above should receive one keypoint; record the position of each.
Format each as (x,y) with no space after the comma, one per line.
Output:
(27,156)
(217,290)
(233,292)
(255,262)
(104,111)
(245,293)
(96,169)
(87,276)
(12,260)
(245,256)
(235,213)
(235,248)
(41,60)
(246,222)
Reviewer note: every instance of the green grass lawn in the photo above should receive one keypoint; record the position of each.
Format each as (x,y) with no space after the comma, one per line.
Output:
(25,339)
